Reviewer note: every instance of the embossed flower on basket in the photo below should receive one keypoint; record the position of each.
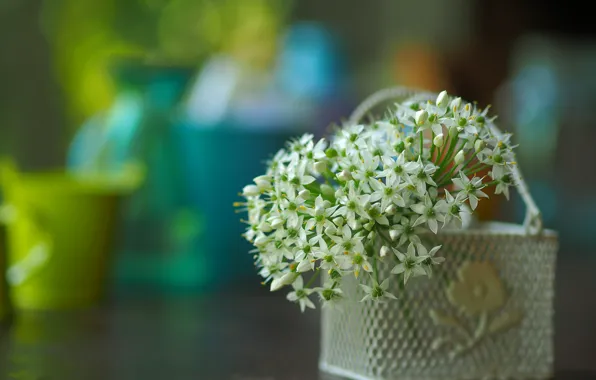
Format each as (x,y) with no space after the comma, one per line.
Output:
(478,290)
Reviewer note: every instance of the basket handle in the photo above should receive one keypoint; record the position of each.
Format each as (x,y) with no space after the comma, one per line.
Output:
(533,219)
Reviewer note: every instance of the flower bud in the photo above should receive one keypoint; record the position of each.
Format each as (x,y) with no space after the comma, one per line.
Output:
(391,209)
(344,176)
(385,251)
(304,194)
(338,221)
(442,99)
(479,145)
(330,231)
(320,166)
(394,234)
(263,182)
(265,227)
(304,266)
(453,131)
(369,225)
(455,104)
(261,240)
(439,140)
(330,152)
(250,190)
(276,223)
(276,284)
(289,278)
(421,117)
(327,190)
(372,235)
(459,157)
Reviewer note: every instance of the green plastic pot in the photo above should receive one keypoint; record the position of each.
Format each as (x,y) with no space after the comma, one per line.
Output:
(59,235)
(5,309)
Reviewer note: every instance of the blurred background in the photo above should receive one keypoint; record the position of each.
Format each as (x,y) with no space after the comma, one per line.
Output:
(164,109)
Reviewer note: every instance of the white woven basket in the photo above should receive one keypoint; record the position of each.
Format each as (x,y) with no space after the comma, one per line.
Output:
(487,312)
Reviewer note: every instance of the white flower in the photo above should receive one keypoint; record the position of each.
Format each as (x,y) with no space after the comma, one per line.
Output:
(298,177)
(360,261)
(367,171)
(405,231)
(503,185)
(374,212)
(330,295)
(409,263)
(321,216)
(430,260)
(388,193)
(471,188)
(423,176)
(290,206)
(329,261)
(430,213)
(300,295)
(377,292)
(451,207)
(351,206)
(263,182)
(251,190)
(399,169)
(346,243)
(272,270)
(339,205)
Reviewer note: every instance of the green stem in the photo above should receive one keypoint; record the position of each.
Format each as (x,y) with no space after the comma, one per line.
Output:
(448,157)
(375,270)
(476,168)
(312,279)
(421,144)
(432,145)
(446,178)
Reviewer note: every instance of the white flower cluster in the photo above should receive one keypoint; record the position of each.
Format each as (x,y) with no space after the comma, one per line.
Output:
(369,195)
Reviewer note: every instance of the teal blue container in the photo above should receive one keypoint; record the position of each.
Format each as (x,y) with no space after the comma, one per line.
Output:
(218,162)
(153,247)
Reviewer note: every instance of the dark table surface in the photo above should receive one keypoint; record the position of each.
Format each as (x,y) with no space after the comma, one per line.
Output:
(241,335)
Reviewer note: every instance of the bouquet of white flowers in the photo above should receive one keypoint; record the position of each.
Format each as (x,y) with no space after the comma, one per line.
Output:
(368,194)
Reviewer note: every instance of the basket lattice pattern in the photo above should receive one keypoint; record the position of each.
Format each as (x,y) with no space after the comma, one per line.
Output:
(397,339)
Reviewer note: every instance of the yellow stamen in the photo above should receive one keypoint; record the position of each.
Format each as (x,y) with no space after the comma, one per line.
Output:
(346,253)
